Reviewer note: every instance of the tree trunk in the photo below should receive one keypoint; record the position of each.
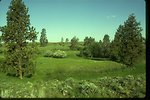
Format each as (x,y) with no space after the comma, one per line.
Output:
(20,69)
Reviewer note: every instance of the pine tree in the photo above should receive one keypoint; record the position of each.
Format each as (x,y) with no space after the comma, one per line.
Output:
(106,46)
(62,41)
(96,50)
(116,45)
(131,47)
(74,43)
(67,40)
(43,38)
(87,50)
(88,41)
(19,39)
(128,42)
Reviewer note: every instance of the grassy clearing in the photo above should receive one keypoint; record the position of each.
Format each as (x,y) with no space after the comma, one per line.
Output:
(69,67)
(78,68)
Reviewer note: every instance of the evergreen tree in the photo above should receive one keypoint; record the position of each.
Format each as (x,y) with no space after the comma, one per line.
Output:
(74,43)
(16,35)
(100,41)
(43,38)
(106,46)
(87,50)
(100,48)
(128,42)
(116,45)
(131,43)
(96,50)
(62,41)
(88,41)
(67,40)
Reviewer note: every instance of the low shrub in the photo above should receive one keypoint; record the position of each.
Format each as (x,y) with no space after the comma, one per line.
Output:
(128,86)
(59,54)
(48,54)
(106,87)
(55,54)
(87,89)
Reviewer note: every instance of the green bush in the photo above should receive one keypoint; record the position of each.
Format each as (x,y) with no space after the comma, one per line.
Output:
(128,86)
(55,54)
(87,89)
(48,54)
(106,87)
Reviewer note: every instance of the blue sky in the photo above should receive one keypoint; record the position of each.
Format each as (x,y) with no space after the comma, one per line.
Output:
(80,18)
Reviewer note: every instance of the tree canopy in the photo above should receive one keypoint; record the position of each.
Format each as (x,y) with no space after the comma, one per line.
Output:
(74,43)
(43,38)
(128,42)
(17,35)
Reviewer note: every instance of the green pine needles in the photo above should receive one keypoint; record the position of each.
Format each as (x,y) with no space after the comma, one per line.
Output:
(19,39)
(126,48)
(43,38)
(128,42)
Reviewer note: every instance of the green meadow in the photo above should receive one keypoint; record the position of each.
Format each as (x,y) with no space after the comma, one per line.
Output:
(35,67)
(77,70)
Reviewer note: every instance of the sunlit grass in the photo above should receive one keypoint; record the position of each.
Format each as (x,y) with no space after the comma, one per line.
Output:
(76,67)
(52,75)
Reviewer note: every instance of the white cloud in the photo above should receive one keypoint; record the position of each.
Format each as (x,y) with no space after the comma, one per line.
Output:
(112,16)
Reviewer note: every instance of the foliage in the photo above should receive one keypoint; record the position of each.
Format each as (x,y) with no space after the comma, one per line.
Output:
(62,41)
(127,46)
(48,53)
(74,43)
(124,87)
(51,79)
(0,39)
(106,46)
(55,54)
(59,54)
(105,87)
(116,45)
(43,38)
(87,89)
(67,40)
(87,50)
(1,50)
(128,42)
(16,36)
(96,49)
